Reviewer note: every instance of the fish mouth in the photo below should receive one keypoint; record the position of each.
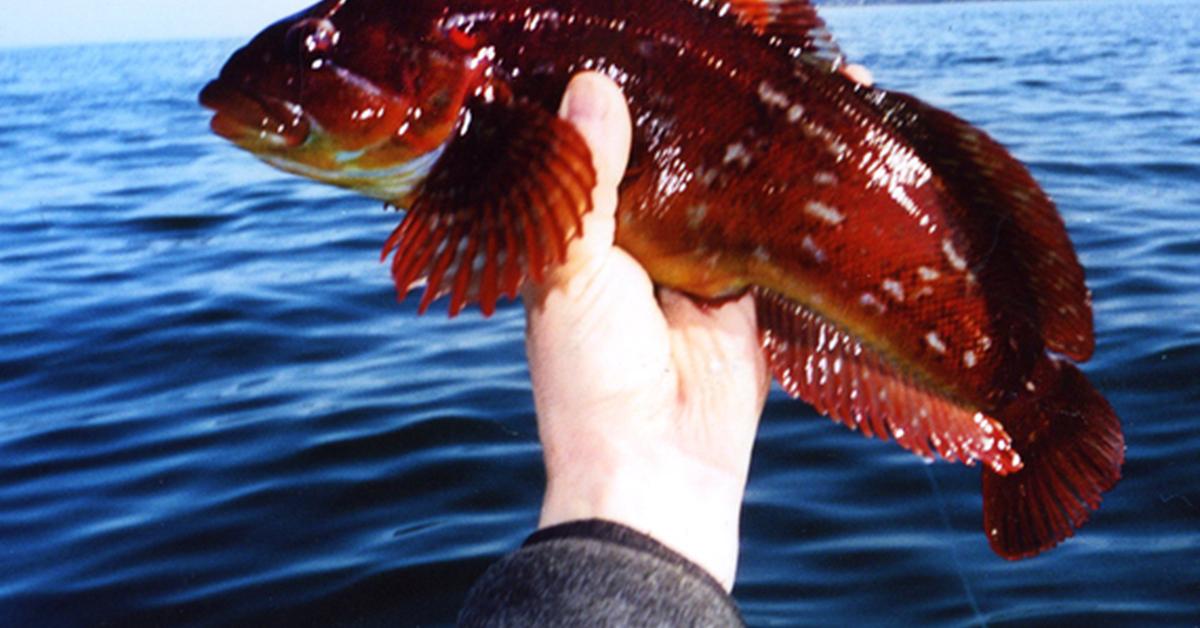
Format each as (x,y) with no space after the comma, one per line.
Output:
(254,122)
(283,135)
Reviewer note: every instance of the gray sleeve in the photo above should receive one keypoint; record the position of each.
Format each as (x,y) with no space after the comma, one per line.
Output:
(596,573)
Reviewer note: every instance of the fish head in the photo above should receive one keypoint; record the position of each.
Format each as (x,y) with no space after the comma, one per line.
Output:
(362,94)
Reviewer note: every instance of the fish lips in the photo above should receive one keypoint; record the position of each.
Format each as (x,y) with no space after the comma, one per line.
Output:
(253,121)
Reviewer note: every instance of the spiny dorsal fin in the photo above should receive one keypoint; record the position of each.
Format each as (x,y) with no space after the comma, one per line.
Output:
(791,24)
(851,382)
(1010,210)
(500,205)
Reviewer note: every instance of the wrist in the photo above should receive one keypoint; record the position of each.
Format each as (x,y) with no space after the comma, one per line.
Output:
(688,505)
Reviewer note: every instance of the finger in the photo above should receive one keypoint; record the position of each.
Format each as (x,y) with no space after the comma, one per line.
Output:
(599,291)
(595,105)
(859,74)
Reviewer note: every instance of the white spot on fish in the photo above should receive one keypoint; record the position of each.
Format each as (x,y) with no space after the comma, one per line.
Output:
(894,288)
(736,152)
(811,248)
(772,97)
(825,177)
(935,342)
(839,149)
(969,359)
(696,214)
(1030,387)
(868,300)
(824,212)
(794,113)
(928,274)
(985,342)
(952,255)
(761,254)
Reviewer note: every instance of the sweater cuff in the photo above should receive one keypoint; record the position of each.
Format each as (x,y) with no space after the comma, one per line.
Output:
(597,572)
(607,531)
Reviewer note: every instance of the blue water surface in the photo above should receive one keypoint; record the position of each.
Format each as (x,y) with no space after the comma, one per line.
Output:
(212,411)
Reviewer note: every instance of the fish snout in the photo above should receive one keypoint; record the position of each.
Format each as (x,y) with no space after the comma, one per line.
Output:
(251,121)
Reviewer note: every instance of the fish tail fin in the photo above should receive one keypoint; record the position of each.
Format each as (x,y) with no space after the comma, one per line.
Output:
(1072,448)
(500,205)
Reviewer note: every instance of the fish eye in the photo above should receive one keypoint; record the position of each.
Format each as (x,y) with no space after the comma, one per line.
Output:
(312,38)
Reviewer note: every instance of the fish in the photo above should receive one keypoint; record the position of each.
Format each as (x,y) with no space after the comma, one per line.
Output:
(911,279)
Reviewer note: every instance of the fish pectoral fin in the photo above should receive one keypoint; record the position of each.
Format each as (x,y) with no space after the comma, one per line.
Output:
(500,205)
(851,382)
(1073,448)
(791,24)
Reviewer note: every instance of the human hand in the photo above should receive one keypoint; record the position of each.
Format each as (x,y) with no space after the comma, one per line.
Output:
(647,407)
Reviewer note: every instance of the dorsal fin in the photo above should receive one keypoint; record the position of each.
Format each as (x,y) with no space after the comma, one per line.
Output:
(1009,208)
(790,24)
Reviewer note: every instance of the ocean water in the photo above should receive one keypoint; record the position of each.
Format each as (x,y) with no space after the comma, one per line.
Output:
(212,411)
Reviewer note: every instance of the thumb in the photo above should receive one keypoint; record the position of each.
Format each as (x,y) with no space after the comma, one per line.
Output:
(597,109)
(595,105)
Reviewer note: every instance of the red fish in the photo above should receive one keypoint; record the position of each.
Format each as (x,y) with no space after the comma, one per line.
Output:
(913,281)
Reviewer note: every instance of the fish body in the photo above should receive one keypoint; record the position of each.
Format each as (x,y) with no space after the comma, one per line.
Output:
(912,279)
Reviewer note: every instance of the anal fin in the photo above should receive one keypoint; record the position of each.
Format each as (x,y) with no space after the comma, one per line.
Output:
(499,206)
(844,378)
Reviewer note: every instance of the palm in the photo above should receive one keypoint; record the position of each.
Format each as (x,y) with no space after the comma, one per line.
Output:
(647,407)
(608,360)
